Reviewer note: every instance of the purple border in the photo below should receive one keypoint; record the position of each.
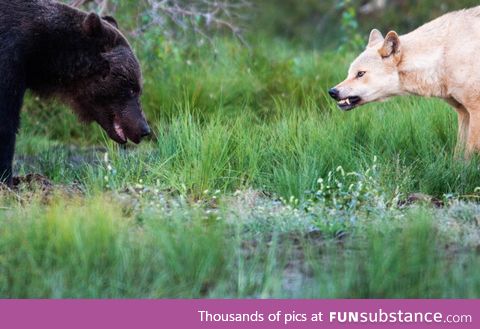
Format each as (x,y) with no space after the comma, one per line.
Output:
(156,314)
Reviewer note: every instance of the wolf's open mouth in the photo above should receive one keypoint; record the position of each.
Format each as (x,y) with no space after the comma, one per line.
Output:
(349,103)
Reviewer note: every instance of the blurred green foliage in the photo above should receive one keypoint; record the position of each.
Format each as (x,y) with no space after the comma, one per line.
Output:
(322,23)
(311,23)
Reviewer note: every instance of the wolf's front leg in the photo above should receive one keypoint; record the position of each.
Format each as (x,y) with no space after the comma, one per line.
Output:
(462,134)
(473,138)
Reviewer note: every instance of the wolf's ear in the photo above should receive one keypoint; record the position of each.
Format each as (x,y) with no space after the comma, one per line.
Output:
(391,46)
(375,37)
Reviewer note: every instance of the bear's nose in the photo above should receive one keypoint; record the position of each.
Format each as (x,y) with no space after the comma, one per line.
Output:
(334,93)
(145,131)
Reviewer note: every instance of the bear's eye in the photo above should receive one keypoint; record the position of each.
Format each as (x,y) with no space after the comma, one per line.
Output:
(132,93)
(360,74)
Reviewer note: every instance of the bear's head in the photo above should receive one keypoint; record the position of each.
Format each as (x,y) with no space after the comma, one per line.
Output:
(110,93)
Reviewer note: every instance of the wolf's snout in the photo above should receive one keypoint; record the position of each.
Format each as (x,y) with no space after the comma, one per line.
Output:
(334,93)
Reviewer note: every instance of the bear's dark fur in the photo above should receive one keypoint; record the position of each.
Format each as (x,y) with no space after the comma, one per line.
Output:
(84,60)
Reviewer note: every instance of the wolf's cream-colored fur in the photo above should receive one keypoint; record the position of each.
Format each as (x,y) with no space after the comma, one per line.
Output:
(439,59)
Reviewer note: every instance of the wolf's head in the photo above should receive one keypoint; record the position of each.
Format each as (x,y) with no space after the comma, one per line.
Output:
(373,75)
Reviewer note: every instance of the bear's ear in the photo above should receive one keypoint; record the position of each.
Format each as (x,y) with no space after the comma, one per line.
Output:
(391,46)
(92,25)
(375,37)
(111,20)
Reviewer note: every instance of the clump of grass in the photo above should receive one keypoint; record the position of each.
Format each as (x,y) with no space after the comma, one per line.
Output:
(341,198)
(97,247)
(400,256)
(89,248)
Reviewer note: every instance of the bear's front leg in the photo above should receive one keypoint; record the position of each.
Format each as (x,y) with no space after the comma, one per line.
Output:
(12,90)
(7,148)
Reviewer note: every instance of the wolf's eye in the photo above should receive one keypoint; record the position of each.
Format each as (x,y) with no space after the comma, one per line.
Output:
(360,74)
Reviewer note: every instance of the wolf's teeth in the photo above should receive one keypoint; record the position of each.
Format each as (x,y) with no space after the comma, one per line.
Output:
(348,101)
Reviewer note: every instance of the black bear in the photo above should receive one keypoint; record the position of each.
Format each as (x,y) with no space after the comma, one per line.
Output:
(80,58)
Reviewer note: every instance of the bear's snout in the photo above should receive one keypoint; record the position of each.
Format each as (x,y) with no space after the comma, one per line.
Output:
(135,126)
(145,130)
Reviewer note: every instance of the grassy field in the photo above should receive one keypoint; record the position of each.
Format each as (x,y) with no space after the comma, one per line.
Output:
(254,185)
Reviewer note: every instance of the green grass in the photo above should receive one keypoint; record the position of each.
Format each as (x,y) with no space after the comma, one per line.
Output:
(225,200)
